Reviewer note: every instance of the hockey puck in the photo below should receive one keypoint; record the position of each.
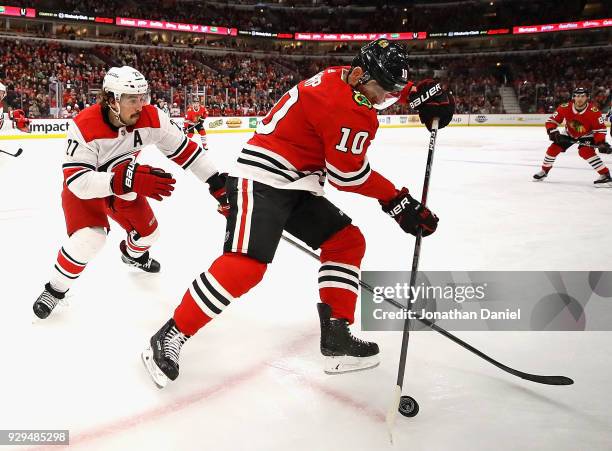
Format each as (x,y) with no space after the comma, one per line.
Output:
(408,406)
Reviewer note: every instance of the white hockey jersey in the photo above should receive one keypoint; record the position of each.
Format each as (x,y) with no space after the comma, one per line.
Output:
(6,124)
(94,147)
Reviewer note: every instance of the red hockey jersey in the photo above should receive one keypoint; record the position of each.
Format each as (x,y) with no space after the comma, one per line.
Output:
(193,117)
(320,129)
(588,123)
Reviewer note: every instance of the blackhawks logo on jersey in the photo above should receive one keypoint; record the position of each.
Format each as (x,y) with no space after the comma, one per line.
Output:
(577,126)
(361,100)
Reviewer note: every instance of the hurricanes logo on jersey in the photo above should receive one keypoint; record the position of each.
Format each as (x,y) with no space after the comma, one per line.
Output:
(577,126)
(361,100)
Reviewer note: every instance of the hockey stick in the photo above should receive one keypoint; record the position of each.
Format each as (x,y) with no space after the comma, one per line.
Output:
(546,380)
(393,407)
(19,152)
(192,127)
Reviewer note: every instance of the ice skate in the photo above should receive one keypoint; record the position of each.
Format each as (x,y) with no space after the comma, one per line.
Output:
(538,177)
(161,357)
(143,262)
(342,351)
(604,181)
(47,301)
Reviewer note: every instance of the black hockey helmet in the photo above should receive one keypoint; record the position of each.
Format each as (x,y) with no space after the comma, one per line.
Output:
(384,61)
(580,90)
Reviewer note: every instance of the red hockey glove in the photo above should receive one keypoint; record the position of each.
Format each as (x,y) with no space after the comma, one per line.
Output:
(20,121)
(410,214)
(217,190)
(431,101)
(142,179)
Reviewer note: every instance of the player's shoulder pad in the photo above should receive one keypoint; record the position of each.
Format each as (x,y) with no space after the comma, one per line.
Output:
(91,124)
(149,117)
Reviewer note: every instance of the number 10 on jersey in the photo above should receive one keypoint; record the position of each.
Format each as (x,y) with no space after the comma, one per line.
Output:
(356,143)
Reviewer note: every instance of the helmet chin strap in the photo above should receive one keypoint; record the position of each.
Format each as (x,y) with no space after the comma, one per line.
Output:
(117,113)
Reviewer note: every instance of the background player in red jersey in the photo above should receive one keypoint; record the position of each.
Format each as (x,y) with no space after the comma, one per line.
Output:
(585,126)
(319,129)
(194,121)
(17,118)
(102,179)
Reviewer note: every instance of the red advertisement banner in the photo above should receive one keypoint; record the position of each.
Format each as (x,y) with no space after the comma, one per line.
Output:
(18,12)
(358,36)
(174,26)
(584,24)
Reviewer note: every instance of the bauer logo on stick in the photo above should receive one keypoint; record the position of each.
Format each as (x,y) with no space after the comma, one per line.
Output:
(432,92)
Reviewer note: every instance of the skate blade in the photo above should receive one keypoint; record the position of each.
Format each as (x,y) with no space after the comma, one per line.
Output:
(348,364)
(604,185)
(158,377)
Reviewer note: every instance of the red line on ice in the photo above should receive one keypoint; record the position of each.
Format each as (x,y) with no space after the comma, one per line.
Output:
(193,398)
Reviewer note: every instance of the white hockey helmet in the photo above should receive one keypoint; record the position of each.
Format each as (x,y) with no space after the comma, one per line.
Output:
(124,80)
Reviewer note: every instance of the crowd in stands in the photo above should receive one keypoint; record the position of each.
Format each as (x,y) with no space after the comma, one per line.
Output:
(541,82)
(46,78)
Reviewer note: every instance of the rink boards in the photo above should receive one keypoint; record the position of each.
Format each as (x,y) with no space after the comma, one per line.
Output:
(57,128)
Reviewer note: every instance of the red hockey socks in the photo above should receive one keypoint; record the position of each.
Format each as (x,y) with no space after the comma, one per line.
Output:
(230,276)
(588,154)
(550,157)
(339,273)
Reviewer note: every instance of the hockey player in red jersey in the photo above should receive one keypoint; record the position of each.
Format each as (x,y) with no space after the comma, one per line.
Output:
(194,121)
(585,126)
(320,129)
(102,179)
(16,118)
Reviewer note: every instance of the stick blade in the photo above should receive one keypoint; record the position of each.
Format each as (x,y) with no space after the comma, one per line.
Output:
(548,380)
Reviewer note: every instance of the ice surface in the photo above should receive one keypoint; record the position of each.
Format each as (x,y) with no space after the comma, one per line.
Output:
(252,379)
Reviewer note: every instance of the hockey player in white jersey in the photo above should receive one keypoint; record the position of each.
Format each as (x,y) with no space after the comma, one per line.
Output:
(102,179)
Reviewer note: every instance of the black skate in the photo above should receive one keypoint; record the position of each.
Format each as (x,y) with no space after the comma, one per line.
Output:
(143,262)
(162,356)
(342,351)
(540,176)
(604,181)
(47,301)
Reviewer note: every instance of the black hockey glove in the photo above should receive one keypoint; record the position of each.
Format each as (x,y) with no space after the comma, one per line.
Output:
(604,147)
(410,214)
(216,187)
(561,140)
(199,125)
(431,101)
